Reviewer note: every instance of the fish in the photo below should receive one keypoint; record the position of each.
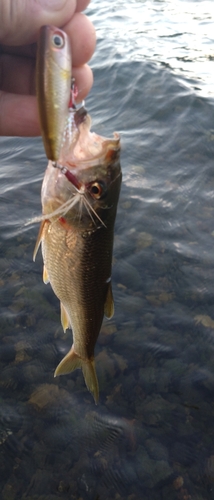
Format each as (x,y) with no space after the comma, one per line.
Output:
(79,199)
(53,87)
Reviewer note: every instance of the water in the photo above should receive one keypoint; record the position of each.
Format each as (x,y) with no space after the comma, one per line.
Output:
(151,436)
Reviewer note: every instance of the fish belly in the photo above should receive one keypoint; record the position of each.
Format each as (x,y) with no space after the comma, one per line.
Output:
(78,270)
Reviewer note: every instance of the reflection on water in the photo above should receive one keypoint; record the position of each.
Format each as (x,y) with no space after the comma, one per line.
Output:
(151,436)
(176,34)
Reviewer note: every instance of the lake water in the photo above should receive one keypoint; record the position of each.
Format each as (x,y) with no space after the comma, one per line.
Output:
(152,434)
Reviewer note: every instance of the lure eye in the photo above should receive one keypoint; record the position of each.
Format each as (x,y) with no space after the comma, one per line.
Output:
(96,190)
(58,41)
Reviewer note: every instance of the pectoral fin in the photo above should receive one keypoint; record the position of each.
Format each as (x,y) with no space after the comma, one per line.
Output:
(39,239)
(64,318)
(109,303)
(72,361)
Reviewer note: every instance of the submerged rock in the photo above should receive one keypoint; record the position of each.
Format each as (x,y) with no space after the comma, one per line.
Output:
(205,320)
(150,471)
(144,240)
(46,395)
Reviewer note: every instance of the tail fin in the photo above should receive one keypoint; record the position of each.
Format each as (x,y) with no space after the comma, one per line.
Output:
(71,362)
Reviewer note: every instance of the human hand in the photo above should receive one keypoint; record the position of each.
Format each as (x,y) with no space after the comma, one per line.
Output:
(20,22)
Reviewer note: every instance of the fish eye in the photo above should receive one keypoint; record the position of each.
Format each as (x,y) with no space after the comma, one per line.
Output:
(58,41)
(97,190)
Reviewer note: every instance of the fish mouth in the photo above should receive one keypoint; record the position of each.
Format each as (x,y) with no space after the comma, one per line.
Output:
(80,115)
(68,174)
(81,147)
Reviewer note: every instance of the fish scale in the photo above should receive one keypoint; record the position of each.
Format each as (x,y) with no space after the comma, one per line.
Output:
(88,280)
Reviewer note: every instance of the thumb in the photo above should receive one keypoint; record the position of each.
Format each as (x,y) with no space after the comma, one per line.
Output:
(20,20)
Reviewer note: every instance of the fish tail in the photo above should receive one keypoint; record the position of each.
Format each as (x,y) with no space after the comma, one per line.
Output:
(71,362)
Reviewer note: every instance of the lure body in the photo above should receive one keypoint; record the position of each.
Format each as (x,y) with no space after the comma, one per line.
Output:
(53,86)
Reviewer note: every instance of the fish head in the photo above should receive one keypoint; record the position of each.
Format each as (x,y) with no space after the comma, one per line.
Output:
(97,194)
(86,192)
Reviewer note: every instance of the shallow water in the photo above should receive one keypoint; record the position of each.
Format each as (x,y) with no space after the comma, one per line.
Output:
(151,436)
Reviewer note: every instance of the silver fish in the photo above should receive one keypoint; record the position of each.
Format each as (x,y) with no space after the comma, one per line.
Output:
(79,200)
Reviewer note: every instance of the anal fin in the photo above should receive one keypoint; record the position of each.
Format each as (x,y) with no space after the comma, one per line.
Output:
(64,318)
(45,275)
(109,303)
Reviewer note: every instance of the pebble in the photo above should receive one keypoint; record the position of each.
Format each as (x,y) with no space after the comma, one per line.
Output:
(144,240)
(178,482)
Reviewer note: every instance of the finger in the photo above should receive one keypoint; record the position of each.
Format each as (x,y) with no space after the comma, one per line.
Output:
(22,19)
(20,50)
(18,73)
(82,36)
(19,113)
(82,5)
(84,80)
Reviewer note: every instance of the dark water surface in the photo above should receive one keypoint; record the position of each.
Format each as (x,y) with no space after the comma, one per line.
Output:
(152,434)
